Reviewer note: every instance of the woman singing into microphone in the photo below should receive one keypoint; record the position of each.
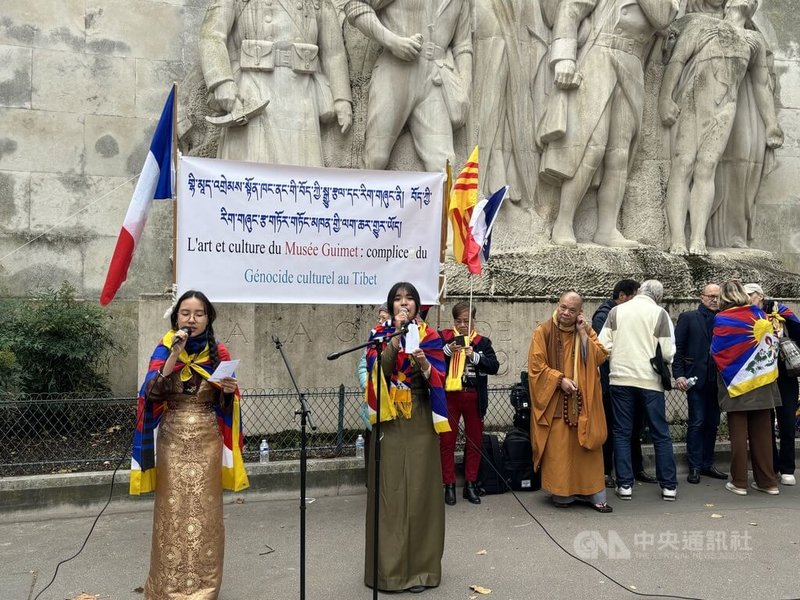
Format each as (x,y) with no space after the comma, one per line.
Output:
(197,424)
(413,410)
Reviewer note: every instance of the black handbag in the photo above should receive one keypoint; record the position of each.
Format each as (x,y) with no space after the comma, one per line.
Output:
(660,367)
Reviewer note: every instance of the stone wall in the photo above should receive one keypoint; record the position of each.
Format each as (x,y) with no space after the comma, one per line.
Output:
(83,81)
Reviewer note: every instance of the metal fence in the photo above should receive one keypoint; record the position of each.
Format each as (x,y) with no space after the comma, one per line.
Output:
(63,433)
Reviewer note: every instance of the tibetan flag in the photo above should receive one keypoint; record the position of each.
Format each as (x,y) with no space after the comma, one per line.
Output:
(155,183)
(463,198)
(483,217)
(745,349)
(395,398)
(148,417)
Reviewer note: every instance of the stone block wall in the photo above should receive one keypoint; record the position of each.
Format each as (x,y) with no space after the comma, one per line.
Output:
(82,83)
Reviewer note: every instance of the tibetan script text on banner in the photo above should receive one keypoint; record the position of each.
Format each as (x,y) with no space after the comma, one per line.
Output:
(249,232)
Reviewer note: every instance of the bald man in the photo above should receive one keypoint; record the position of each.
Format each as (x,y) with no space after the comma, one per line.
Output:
(568,427)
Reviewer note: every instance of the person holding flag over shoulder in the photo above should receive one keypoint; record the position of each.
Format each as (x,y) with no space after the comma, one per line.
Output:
(469,358)
(197,425)
(745,350)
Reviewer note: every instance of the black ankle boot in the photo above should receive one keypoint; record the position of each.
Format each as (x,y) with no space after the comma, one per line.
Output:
(450,493)
(471,493)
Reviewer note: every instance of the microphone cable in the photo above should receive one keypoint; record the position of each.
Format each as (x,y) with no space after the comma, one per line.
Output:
(100,514)
(122,459)
(552,539)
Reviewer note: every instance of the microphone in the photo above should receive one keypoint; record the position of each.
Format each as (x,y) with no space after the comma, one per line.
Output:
(186,330)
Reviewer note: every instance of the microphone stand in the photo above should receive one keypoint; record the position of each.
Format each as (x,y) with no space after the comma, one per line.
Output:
(378,344)
(305,417)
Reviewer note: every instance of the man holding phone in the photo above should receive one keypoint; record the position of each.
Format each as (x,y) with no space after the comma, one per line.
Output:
(469,358)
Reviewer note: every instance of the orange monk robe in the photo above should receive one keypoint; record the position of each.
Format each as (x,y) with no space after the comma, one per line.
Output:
(568,468)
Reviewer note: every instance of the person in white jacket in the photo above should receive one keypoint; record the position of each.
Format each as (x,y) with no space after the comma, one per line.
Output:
(631,334)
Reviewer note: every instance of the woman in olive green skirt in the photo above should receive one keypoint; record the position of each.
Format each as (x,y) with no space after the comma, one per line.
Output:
(411,515)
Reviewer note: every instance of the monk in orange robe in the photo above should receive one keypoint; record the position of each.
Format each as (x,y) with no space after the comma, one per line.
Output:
(568,424)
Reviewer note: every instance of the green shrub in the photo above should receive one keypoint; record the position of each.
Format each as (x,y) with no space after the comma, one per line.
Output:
(55,343)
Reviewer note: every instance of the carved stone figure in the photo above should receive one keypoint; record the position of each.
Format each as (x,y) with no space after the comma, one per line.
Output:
(747,158)
(287,53)
(422,79)
(707,68)
(511,42)
(593,117)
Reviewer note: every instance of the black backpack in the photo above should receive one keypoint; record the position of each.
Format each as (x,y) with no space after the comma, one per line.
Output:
(491,474)
(519,462)
(521,401)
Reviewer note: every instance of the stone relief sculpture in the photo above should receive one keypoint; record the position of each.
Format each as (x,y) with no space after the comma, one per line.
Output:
(747,158)
(286,55)
(707,68)
(511,42)
(423,78)
(591,124)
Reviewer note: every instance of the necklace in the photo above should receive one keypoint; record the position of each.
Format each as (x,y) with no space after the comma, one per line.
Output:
(572,409)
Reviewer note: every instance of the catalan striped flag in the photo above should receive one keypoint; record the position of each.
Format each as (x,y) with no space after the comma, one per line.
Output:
(463,198)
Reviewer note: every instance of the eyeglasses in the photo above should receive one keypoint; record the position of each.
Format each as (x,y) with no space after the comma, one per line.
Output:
(199,315)
(710,297)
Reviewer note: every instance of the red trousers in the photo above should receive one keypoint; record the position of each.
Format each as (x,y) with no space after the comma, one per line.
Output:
(460,404)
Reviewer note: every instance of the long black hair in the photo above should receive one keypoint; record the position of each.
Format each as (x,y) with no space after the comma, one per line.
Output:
(211,314)
(408,287)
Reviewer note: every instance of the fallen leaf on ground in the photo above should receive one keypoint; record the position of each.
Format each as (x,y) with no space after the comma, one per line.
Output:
(716,516)
(86,597)
(480,589)
(481,552)
(139,590)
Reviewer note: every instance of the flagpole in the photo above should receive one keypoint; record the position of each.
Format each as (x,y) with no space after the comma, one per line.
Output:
(448,181)
(174,183)
(469,319)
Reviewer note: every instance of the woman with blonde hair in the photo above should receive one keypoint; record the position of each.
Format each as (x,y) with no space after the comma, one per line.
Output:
(785,324)
(745,351)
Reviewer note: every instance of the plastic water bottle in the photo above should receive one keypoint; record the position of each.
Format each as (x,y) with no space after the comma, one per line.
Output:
(263,452)
(360,446)
(690,382)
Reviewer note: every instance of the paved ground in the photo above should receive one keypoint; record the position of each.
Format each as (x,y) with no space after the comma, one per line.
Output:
(708,544)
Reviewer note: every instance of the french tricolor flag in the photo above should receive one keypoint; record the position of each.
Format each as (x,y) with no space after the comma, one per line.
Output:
(480,225)
(155,183)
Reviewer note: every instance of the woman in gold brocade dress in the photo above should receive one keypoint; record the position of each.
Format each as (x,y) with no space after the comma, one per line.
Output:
(199,451)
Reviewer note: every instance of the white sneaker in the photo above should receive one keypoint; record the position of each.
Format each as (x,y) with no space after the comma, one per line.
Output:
(787,479)
(736,490)
(669,495)
(771,491)
(624,492)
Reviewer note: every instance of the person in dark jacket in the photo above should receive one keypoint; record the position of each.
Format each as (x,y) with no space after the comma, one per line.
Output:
(623,291)
(693,361)
(469,358)
(785,323)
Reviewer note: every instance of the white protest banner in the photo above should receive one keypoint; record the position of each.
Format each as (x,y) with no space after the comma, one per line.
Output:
(251,232)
